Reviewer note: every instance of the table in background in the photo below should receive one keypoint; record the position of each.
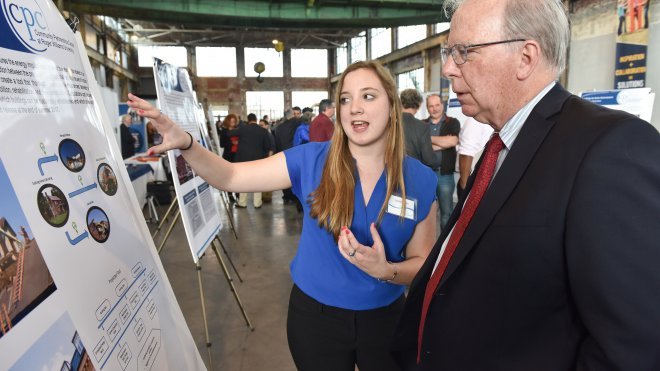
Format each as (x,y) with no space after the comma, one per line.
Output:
(157,163)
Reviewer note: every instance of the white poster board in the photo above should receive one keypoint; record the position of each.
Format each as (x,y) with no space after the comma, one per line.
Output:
(199,210)
(80,282)
(638,102)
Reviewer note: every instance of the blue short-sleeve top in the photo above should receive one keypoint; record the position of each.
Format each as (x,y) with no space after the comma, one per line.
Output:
(318,268)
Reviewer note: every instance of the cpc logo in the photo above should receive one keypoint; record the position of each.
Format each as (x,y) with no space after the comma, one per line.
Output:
(28,23)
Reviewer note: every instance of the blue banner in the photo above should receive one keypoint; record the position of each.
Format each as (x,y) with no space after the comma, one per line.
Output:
(631,43)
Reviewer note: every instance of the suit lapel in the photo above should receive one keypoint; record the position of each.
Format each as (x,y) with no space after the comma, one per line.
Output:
(426,270)
(530,138)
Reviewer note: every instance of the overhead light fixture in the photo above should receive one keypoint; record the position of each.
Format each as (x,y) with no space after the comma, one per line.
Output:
(275,41)
(259,68)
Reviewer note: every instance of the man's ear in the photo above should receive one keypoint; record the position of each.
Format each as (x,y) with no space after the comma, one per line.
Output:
(530,57)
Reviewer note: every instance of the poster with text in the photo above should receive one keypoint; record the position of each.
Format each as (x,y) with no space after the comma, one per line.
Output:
(81,286)
(638,102)
(197,199)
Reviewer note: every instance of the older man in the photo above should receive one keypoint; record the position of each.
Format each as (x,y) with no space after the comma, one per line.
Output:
(551,260)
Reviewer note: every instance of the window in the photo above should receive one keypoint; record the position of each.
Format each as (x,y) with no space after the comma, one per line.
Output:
(411,80)
(381,42)
(359,47)
(309,99)
(342,58)
(262,103)
(309,63)
(216,62)
(219,112)
(269,57)
(410,34)
(175,55)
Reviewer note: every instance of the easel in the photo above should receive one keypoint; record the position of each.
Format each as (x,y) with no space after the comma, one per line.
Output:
(198,268)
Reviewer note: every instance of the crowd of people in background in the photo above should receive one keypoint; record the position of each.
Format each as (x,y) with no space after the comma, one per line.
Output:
(439,141)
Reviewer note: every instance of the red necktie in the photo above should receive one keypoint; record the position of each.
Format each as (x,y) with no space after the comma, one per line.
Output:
(484,175)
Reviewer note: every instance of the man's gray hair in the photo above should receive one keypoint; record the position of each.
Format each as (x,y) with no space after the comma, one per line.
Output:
(544,21)
(410,98)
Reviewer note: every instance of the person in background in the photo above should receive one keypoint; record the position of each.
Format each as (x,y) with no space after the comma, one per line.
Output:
(321,128)
(471,142)
(126,138)
(444,136)
(370,216)
(550,262)
(254,145)
(267,197)
(301,136)
(229,143)
(284,133)
(417,133)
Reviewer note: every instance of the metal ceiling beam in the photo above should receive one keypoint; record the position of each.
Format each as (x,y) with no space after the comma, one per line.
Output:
(266,13)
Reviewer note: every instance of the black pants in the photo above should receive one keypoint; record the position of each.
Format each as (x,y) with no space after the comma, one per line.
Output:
(322,337)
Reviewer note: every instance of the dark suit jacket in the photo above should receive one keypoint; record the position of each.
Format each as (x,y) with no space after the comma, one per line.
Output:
(418,141)
(284,133)
(559,268)
(253,142)
(127,141)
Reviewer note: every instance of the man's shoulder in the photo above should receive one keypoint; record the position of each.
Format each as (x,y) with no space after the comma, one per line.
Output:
(452,120)
(321,119)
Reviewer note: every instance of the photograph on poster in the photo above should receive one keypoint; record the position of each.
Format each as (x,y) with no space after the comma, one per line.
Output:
(72,155)
(183,170)
(59,348)
(107,179)
(53,206)
(169,76)
(24,277)
(98,224)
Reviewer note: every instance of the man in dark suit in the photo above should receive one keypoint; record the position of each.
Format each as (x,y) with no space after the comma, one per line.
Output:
(284,133)
(552,262)
(253,144)
(417,133)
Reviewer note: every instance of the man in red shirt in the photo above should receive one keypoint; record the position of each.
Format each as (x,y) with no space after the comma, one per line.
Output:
(322,127)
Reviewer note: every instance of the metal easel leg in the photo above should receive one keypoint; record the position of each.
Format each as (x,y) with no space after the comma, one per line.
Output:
(229,258)
(167,214)
(169,230)
(230,281)
(230,216)
(206,326)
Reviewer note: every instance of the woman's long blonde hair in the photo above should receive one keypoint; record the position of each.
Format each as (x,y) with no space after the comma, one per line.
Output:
(332,202)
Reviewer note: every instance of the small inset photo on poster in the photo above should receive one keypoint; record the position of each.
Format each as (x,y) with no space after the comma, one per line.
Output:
(59,348)
(53,206)
(72,155)
(98,224)
(107,179)
(183,170)
(25,281)
(168,76)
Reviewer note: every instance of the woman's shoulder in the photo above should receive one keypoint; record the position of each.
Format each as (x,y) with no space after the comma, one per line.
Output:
(413,168)
(309,149)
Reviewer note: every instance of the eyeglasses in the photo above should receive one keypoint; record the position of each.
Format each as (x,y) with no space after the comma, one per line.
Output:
(459,52)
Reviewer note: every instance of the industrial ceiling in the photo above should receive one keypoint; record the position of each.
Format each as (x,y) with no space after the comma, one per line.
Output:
(255,23)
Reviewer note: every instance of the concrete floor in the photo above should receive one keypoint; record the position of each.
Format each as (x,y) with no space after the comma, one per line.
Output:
(267,242)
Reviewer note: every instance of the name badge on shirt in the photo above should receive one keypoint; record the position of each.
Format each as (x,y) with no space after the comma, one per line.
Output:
(396,202)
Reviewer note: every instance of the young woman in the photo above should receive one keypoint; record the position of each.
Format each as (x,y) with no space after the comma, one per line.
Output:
(369,221)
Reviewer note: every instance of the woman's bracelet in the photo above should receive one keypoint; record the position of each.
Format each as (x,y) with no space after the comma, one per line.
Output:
(189,145)
(393,276)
